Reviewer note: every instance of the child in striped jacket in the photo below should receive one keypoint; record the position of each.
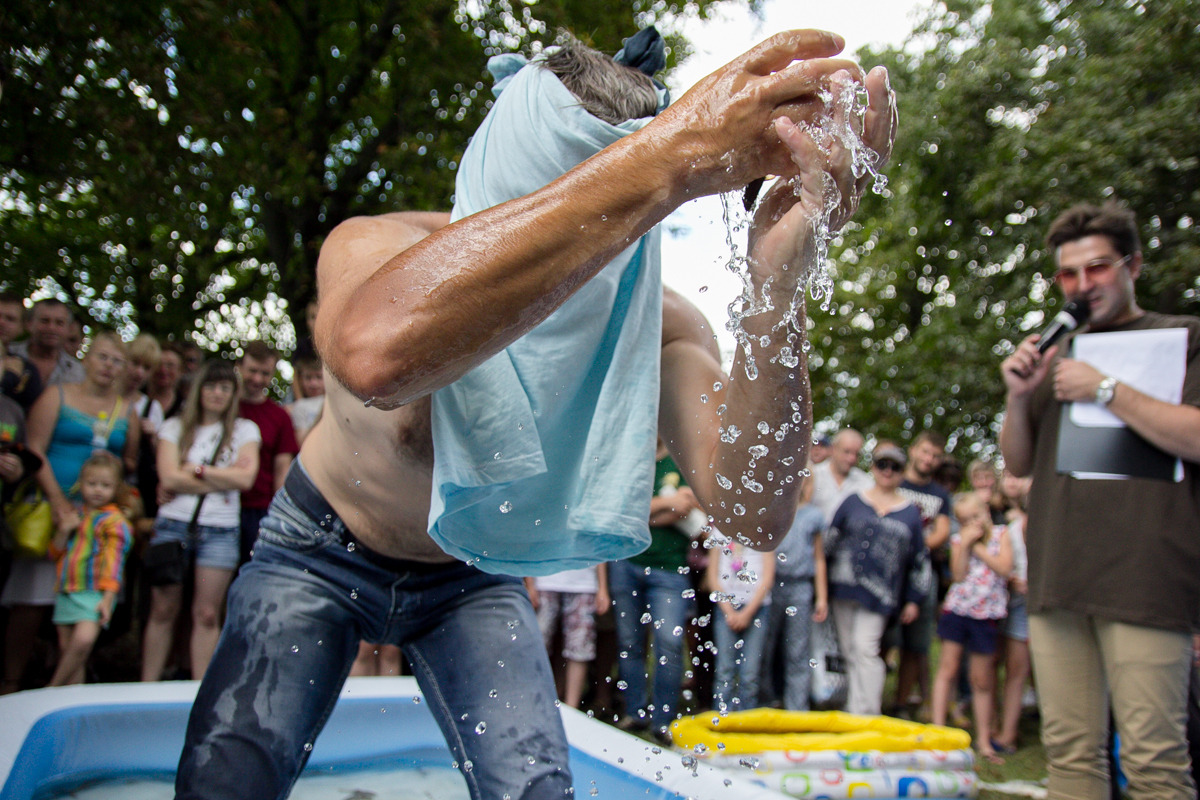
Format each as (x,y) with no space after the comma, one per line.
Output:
(91,562)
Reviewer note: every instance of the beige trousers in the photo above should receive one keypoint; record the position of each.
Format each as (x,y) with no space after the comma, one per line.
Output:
(1079,663)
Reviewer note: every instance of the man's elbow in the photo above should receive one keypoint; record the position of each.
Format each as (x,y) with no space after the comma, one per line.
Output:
(361,364)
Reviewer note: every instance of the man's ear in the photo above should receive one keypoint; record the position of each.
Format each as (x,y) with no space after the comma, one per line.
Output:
(1135,265)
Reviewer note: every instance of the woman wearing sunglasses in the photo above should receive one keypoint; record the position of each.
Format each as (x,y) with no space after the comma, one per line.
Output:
(878,565)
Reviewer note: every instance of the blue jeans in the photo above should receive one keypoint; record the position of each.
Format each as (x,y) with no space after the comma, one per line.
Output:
(792,631)
(638,590)
(296,614)
(739,662)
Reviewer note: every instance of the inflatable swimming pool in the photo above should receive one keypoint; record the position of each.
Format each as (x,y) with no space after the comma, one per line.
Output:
(830,754)
(52,740)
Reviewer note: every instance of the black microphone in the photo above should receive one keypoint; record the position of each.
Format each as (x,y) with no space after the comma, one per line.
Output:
(1073,314)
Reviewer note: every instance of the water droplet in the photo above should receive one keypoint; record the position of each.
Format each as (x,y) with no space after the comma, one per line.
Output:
(505,507)
(739,509)
(646,618)
(481,728)
(493,694)
(496,456)
(350,547)
(416,699)
(812,662)
(724,482)
(308,747)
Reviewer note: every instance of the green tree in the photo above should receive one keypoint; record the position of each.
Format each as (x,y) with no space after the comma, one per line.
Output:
(177,163)
(1010,112)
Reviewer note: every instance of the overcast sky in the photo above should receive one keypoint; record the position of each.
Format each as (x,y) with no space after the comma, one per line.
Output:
(694,262)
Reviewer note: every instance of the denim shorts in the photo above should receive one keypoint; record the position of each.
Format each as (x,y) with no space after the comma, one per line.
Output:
(215,548)
(1016,627)
(975,635)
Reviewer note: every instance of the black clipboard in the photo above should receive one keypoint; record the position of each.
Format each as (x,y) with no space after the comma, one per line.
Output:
(1110,451)
(1107,452)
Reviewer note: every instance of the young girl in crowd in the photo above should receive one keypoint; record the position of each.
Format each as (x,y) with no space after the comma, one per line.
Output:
(742,579)
(980,561)
(206,457)
(91,560)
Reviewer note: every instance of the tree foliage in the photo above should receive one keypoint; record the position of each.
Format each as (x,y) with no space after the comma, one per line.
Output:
(1010,112)
(172,164)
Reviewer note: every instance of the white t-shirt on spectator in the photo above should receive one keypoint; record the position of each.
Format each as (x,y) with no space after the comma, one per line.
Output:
(221,509)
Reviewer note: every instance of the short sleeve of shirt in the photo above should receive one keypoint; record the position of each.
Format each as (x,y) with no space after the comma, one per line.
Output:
(244,432)
(170,431)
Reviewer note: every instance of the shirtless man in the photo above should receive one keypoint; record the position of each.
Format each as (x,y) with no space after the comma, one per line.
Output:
(408,307)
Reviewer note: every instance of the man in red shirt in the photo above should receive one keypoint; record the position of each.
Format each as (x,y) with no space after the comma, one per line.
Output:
(257,367)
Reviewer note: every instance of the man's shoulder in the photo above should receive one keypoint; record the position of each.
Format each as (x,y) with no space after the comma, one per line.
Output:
(858,478)
(268,410)
(809,516)
(932,487)
(1155,319)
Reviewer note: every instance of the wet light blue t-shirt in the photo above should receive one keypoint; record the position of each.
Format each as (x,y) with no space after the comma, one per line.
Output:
(544,454)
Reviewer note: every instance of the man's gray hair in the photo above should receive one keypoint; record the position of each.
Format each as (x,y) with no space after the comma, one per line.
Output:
(607,90)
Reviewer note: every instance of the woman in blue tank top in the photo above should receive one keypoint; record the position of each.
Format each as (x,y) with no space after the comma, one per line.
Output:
(66,424)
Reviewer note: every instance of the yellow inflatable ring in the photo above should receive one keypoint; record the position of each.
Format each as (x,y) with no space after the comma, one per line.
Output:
(765,729)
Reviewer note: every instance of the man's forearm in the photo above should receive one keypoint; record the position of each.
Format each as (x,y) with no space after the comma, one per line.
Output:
(467,291)
(1016,437)
(1174,429)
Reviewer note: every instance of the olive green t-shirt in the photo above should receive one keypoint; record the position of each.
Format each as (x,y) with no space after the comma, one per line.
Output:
(668,545)
(1126,550)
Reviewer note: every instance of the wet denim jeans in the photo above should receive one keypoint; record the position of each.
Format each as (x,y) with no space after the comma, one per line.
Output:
(296,614)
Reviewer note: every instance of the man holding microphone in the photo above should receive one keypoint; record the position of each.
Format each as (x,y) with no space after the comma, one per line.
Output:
(1114,564)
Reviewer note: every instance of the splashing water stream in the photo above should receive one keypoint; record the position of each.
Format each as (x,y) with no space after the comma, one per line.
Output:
(827,130)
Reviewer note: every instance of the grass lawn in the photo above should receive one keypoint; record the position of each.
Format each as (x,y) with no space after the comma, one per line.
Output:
(1027,764)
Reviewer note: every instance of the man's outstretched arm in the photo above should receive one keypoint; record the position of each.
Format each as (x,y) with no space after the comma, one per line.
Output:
(397,329)
(744,444)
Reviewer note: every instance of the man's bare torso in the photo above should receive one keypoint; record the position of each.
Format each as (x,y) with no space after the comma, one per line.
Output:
(375,468)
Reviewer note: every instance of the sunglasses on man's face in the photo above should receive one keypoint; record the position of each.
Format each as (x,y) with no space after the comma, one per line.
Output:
(888,465)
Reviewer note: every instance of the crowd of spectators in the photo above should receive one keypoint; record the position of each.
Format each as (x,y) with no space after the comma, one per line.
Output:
(697,621)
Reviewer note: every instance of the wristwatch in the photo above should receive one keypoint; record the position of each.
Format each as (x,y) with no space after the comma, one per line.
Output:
(1106,390)
(200,469)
